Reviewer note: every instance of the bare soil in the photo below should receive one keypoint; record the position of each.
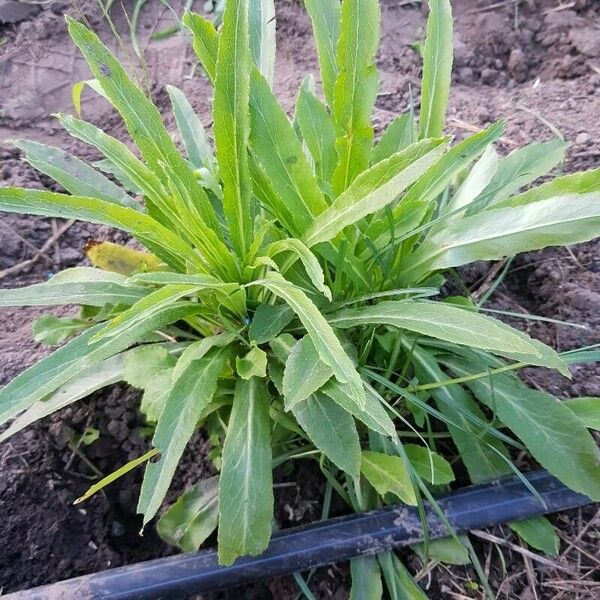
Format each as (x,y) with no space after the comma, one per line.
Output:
(534,63)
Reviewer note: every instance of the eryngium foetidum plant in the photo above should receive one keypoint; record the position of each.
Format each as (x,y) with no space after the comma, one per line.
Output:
(288,298)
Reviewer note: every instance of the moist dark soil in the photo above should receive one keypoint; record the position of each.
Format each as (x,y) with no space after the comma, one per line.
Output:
(534,63)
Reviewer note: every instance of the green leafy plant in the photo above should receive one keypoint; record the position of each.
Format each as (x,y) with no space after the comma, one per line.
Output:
(289,298)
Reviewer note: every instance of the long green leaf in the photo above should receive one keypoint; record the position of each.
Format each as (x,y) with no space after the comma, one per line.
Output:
(192,391)
(232,124)
(81,285)
(518,169)
(192,130)
(452,324)
(141,117)
(325,16)
(76,176)
(398,136)
(504,232)
(332,431)
(437,69)
(157,238)
(261,17)
(193,517)
(374,189)
(317,129)
(355,89)
(205,41)
(324,339)
(556,438)
(246,485)
(366,579)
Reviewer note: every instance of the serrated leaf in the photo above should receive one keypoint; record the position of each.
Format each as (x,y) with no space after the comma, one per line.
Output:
(268,322)
(295,191)
(76,176)
(398,136)
(366,579)
(538,533)
(317,129)
(497,233)
(261,25)
(429,465)
(145,362)
(192,130)
(79,285)
(437,69)
(191,393)
(331,429)
(324,339)
(325,16)
(253,364)
(518,169)
(304,373)
(586,409)
(246,485)
(556,438)
(355,89)
(205,40)
(231,122)
(192,519)
(374,189)
(157,238)
(51,330)
(308,259)
(388,474)
(373,415)
(450,323)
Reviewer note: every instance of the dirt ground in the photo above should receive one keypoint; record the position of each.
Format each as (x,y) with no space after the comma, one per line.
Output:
(534,63)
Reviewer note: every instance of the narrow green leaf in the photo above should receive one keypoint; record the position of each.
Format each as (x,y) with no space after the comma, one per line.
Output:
(373,415)
(331,429)
(587,409)
(437,69)
(374,189)
(538,533)
(518,169)
(191,520)
(317,129)
(576,183)
(157,238)
(192,130)
(309,260)
(494,234)
(268,322)
(556,438)
(80,285)
(324,339)
(279,154)
(388,474)
(398,136)
(355,89)
(141,117)
(205,41)
(76,176)
(366,579)
(399,581)
(231,123)
(304,373)
(192,391)
(325,16)
(429,465)
(261,24)
(246,485)
(450,323)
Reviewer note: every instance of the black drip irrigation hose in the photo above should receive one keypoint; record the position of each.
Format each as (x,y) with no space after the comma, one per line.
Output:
(319,544)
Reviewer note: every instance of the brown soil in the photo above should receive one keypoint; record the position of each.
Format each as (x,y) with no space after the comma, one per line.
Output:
(532,63)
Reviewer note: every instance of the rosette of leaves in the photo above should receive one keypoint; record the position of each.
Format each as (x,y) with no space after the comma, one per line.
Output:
(288,295)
